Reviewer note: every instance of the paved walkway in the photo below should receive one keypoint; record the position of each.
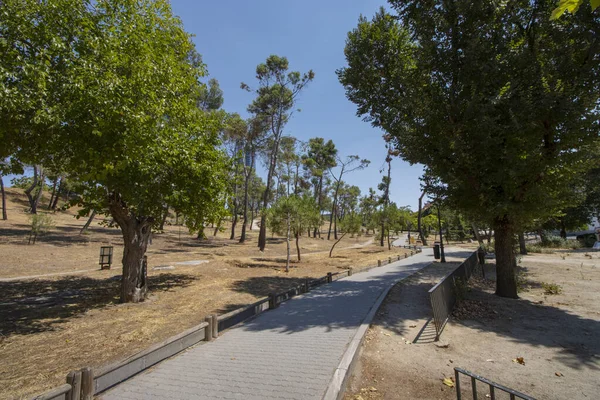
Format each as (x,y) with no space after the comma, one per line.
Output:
(287,353)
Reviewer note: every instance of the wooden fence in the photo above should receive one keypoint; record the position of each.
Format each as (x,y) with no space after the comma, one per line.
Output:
(85,383)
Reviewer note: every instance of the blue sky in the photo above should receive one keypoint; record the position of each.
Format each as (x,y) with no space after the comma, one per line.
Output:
(234,36)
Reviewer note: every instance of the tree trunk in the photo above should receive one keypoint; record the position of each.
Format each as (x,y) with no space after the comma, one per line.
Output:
(476,233)
(563,230)
(53,193)
(233,224)
(38,195)
(287,241)
(252,216)
(335,236)
(4,214)
(318,191)
(87,224)
(333,211)
(506,282)
(388,240)
(164,219)
(443,253)
(262,235)
(522,246)
(332,247)
(55,203)
(245,213)
(32,205)
(298,245)
(136,232)
(217,228)
(542,235)
(423,240)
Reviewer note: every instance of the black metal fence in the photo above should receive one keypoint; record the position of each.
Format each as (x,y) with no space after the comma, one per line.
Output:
(493,386)
(443,294)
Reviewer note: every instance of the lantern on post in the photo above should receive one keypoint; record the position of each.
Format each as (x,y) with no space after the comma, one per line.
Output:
(106,254)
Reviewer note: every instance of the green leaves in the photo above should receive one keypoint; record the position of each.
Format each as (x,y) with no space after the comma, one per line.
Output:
(571,6)
(503,123)
(113,90)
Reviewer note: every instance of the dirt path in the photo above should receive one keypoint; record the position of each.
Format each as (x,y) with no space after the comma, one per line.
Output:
(556,335)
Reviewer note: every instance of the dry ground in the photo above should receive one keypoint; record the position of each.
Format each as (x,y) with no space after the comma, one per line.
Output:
(55,323)
(557,336)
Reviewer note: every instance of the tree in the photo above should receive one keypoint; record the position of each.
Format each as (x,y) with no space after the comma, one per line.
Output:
(126,90)
(347,165)
(292,215)
(368,208)
(384,200)
(504,123)
(349,225)
(318,160)
(252,141)
(235,134)
(276,96)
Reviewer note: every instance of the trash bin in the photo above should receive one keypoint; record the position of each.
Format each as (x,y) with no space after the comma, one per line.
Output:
(436,250)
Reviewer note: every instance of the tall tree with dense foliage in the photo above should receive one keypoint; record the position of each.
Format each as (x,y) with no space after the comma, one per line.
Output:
(276,95)
(318,160)
(123,108)
(504,122)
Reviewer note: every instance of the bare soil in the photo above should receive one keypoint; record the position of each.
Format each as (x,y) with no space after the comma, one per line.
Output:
(69,315)
(557,336)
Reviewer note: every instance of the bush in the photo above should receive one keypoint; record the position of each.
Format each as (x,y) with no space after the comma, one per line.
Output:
(40,225)
(533,248)
(551,288)
(556,242)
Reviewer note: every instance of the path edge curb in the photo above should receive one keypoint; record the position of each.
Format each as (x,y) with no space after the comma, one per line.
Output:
(336,388)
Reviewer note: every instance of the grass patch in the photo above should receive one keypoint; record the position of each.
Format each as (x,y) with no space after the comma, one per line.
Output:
(551,288)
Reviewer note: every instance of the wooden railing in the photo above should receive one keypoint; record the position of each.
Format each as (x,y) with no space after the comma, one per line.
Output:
(85,383)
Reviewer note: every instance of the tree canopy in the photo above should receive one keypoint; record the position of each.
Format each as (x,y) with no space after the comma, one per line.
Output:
(497,101)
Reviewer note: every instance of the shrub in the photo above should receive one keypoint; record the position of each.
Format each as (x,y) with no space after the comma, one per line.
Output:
(40,225)
(551,288)
(460,289)
(533,248)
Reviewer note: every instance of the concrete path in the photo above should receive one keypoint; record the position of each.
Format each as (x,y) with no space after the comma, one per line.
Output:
(288,353)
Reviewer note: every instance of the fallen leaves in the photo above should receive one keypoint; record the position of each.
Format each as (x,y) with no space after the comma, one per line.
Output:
(519,360)
(448,382)
(559,374)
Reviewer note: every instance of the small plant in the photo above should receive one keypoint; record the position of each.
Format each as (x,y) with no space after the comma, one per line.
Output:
(551,288)
(521,281)
(40,225)
(460,289)
(533,248)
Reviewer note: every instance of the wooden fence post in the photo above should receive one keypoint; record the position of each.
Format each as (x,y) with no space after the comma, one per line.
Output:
(350,272)
(272,301)
(74,379)
(87,384)
(405,255)
(208,330)
(379,263)
(306,285)
(215,326)
(329,277)
(390,260)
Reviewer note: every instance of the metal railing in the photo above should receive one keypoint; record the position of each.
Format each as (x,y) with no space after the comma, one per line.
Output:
(443,294)
(493,386)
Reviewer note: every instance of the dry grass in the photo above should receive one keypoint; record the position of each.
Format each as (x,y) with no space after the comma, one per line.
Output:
(53,324)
